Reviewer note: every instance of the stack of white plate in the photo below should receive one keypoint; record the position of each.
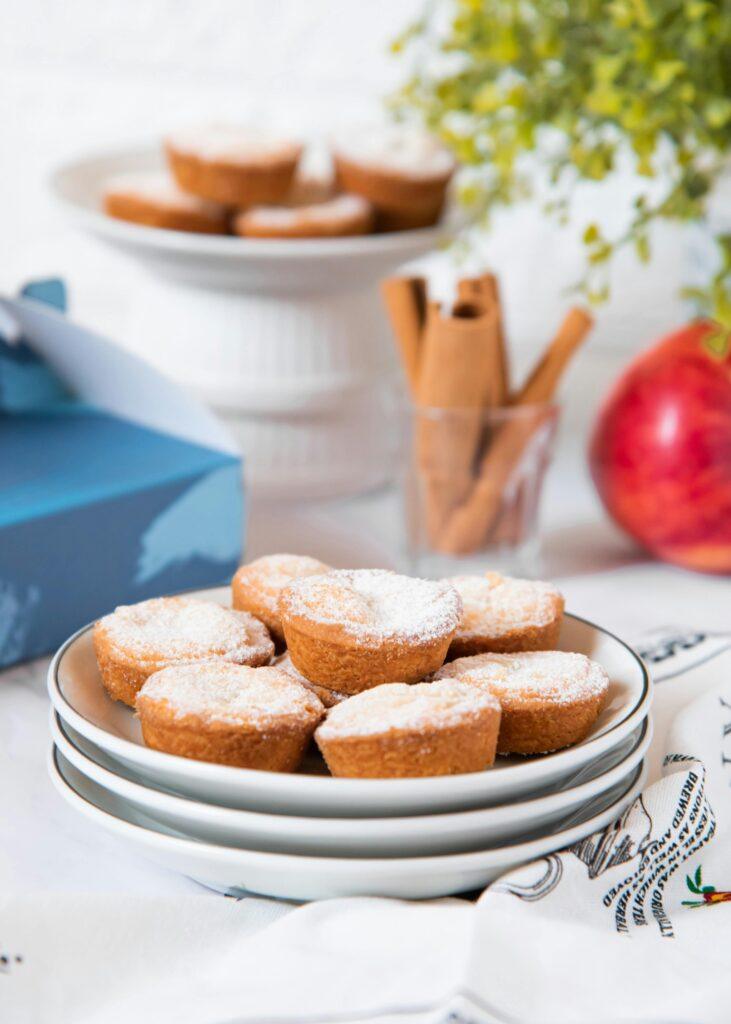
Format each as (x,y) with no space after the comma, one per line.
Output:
(309,836)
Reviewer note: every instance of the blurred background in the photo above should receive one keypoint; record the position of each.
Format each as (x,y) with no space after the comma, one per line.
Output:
(85,78)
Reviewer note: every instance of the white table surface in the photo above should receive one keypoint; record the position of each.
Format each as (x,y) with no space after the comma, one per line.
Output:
(45,847)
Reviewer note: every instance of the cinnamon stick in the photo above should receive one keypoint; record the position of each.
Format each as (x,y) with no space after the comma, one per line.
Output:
(468,525)
(456,372)
(485,291)
(405,299)
(542,380)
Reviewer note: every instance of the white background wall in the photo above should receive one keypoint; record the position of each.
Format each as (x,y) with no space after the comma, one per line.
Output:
(81,75)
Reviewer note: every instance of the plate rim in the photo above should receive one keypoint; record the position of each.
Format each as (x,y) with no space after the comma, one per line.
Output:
(392,824)
(344,865)
(313,784)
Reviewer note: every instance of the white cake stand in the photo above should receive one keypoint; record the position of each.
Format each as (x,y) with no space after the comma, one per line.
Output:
(287,339)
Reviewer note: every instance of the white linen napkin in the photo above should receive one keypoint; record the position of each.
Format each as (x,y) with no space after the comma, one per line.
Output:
(627,926)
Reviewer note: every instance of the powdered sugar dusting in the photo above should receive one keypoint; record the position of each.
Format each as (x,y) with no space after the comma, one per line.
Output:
(375,605)
(422,708)
(230,143)
(159,188)
(495,605)
(328,214)
(557,676)
(328,697)
(215,691)
(397,148)
(185,628)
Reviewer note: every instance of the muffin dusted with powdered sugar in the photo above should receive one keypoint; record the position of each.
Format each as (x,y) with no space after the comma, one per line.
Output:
(230,714)
(232,165)
(402,171)
(396,731)
(504,614)
(549,699)
(350,630)
(136,640)
(335,217)
(154,200)
(257,585)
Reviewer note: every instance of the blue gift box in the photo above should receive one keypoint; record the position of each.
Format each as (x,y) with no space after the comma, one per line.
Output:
(115,486)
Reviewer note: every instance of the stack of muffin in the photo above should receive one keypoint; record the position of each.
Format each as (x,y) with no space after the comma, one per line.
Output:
(222,179)
(392,676)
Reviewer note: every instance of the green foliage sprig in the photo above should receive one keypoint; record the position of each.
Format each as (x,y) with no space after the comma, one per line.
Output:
(576,86)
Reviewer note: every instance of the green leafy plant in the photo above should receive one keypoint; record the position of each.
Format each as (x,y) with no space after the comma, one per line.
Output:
(558,92)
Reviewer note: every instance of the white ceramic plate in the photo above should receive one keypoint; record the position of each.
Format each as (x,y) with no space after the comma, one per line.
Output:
(78,696)
(310,878)
(224,260)
(349,837)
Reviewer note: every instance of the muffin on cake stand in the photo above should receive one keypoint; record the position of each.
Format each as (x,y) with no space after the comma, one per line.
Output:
(286,339)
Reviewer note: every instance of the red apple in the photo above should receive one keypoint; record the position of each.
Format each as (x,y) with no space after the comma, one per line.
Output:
(660,454)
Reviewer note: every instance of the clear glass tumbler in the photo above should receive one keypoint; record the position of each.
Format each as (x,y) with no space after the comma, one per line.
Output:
(472,488)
